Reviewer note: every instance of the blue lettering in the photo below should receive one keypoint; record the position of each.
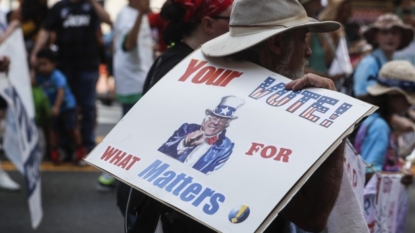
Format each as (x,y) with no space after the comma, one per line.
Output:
(214,205)
(263,90)
(154,170)
(206,193)
(185,182)
(191,192)
(179,178)
(163,181)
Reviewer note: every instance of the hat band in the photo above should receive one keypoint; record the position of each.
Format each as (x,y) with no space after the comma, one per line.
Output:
(404,85)
(242,30)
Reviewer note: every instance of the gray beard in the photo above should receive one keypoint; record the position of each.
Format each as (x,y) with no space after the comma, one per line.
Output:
(281,66)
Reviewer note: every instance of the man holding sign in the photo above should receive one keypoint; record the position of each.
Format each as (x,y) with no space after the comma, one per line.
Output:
(273,35)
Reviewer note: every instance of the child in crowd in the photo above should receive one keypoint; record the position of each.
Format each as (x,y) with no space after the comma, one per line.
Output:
(62,104)
(387,35)
(394,93)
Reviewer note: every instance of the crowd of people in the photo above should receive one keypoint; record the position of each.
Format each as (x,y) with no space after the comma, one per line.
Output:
(65,43)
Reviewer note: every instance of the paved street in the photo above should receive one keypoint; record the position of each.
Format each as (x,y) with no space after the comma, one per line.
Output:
(71,203)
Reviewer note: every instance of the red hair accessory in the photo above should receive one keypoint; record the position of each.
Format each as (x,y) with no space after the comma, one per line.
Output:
(197,9)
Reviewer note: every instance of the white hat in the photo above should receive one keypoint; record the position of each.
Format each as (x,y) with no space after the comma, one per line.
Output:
(253,21)
(395,77)
(227,107)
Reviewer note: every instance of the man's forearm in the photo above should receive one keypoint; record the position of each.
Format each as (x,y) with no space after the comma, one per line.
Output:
(131,39)
(102,14)
(41,41)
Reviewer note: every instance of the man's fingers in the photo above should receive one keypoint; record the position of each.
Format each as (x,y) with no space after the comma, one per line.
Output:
(311,80)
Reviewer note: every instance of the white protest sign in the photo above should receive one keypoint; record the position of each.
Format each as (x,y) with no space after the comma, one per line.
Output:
(356,171)
(21,138)
(369,203)
(386,202)
(225,142)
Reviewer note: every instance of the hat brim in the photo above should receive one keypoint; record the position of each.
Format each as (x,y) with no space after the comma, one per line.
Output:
(210,112)
(378,89)
(226,44)
(406,37)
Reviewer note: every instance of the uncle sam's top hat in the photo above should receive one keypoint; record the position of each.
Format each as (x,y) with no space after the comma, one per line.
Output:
(227,107)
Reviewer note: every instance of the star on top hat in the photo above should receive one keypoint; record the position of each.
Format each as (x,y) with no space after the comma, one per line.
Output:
(227,107)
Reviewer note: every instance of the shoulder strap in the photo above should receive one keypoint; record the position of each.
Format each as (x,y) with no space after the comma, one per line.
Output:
(379,66)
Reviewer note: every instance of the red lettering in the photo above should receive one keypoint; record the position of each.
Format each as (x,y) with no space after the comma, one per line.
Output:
(215,79)
(254,148)
(135,159)
(125,161)
(118,157)
(354,178)
(204,74)
(284,154)
(109,152)
(265,155)
(194,65)
(228,79)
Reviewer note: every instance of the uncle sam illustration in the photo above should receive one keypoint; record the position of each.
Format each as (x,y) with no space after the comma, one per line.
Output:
(205,147)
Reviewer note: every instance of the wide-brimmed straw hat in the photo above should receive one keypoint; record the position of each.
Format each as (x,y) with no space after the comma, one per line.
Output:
(395,77)
(388,21)
(253,21)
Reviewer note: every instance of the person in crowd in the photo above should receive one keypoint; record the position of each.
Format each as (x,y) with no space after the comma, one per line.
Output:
(5,181)
(284,50)
(394,93)
(325,46)
(63,105)
(30,14)
(255,37)
(406,11)
(387,35)
(133,57)
(76,24)
(185,33)
(190,24)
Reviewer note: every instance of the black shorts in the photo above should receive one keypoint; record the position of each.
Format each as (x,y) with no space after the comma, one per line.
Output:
(67,120)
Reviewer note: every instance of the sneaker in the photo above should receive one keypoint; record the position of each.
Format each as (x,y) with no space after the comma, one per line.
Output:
(56,156)
(80,154)
(7,183)
(106,183)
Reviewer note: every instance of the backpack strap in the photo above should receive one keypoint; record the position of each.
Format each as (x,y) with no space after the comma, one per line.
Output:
(379,66)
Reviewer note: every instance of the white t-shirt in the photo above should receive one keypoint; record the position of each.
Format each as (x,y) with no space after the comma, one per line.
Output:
(131,67)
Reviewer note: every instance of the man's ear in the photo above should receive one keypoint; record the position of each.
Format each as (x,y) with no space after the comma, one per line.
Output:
(207,25)
(275,44)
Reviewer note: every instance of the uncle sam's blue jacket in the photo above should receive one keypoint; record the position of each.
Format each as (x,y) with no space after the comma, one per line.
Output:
(212,160)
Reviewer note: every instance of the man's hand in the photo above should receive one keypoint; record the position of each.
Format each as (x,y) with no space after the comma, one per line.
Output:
(194,139)
(311,80)
(4,64)
(143,6)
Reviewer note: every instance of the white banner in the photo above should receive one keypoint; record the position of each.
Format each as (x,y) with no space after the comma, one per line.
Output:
(21,137)
(225,142)
(356,171)
(386,203)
